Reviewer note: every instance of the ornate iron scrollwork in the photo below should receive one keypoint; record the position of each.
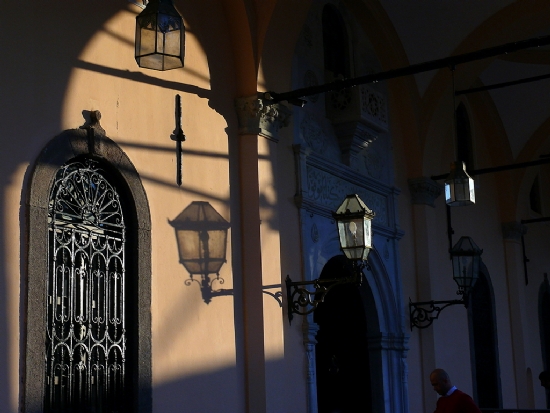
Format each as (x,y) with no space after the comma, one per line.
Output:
(422,317)
(303,300)
(86,330)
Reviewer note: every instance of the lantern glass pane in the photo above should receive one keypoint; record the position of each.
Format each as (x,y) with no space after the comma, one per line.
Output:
(159,43)
(189,250)
(172,43)
(462,271)
(352,237)
(146,43)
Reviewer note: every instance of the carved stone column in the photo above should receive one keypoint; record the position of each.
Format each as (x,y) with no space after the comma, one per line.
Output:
(513,256)
(424,191)
(310,333)
(257,163)
(390,351)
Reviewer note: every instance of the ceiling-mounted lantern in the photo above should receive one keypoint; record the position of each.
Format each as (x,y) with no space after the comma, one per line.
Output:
(459,186)
(160,36)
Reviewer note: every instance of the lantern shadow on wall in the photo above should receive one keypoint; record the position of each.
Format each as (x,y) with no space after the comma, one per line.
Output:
(201,234)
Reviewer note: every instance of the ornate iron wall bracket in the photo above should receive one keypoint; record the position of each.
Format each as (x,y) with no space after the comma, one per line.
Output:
(422,317)
(207,291)
(303,300)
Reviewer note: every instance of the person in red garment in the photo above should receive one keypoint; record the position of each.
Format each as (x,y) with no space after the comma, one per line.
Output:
(452,400)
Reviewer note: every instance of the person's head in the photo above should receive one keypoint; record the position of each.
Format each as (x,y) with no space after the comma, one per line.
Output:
(544,378)
(440,381)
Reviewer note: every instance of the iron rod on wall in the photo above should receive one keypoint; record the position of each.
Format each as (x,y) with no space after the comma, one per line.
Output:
(450,61)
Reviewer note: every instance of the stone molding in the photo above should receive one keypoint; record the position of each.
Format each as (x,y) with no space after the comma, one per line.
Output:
(257,117)
(424,191)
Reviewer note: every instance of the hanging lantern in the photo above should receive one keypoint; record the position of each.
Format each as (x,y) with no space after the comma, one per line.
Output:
(459,186)
(160,36)
(466,257)
(354,220)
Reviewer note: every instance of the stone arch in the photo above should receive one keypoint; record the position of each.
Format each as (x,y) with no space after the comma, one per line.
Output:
(387,345)
(484,342)
(86,141)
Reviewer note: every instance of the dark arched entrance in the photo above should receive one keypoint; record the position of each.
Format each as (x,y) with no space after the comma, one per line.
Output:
(544,325)
(342,357)
(483,337)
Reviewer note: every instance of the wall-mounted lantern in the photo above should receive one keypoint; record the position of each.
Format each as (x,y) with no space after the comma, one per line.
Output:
(160,36)
(201,234)
(353,219)
(465,256)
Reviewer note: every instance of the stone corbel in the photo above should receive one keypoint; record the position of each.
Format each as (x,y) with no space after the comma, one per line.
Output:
(357,114)
(258,118)
(94,131)
(424,191)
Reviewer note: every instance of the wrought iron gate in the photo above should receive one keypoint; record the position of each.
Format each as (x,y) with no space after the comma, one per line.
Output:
(86,332)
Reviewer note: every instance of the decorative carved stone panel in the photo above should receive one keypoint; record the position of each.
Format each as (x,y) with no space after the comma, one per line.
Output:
(358,104)
(316,137)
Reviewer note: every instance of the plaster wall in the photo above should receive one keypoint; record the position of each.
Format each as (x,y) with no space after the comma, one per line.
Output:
(90,66)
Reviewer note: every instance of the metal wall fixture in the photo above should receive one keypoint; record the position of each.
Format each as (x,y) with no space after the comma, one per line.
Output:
(160,36)
(179,137)
(465,256)
(201,234)
(354,224)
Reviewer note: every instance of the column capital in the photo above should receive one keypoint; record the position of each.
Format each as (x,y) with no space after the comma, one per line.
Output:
(424,191)
(257,117)
(513,230)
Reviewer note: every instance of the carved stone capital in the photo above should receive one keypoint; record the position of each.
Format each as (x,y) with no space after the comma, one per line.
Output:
(513,230)
(424,191)
(256,117)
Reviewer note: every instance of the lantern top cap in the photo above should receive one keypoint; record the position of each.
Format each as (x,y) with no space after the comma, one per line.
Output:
(162,7)
(354,206)
(466,246)
(458,171)
(200,215)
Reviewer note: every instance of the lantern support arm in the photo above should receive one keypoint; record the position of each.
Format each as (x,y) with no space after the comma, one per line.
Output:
(423,313)
(303,297)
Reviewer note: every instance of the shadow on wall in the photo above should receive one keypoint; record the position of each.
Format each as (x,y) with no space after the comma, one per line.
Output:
(223,391)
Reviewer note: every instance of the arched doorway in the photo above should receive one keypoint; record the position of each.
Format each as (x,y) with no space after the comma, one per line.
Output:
(85,268)
(544,326)
(483,342)
(342,356)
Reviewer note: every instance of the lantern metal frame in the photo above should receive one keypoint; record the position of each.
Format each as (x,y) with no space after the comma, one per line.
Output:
(423,313)
(161,25)
(459,186)
(303,297)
